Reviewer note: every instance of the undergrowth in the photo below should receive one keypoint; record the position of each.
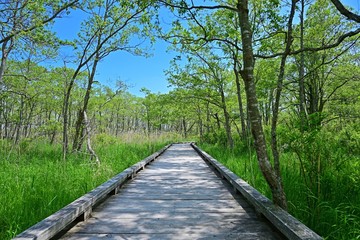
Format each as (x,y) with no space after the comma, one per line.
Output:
(35,182)
(333,211)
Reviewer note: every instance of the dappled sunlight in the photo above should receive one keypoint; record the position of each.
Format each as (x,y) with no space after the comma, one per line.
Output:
(176,197)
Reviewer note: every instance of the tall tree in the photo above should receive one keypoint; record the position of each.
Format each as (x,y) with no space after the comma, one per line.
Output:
(110,27)
(20,18)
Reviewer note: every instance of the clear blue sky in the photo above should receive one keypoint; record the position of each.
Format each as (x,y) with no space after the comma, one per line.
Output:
(136,71)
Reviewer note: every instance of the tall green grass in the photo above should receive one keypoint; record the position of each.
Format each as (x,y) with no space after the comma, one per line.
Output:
(334,213)
(35,182)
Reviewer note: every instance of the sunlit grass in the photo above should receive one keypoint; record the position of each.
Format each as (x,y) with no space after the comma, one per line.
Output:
(334,214)
(35,182)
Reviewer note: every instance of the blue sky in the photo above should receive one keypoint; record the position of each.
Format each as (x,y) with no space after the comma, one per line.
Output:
(136,71)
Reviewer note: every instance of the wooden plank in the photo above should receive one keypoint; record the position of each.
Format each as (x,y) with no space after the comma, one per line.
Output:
(171,210)
(190,203)
(181,236)
(174,215)
(183,226)
(174,196)
(195,191)
(177,197)
(80,208)
(283,221)
(176,184)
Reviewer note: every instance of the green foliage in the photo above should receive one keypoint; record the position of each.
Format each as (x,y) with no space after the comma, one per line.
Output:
(327,198)
(35,182)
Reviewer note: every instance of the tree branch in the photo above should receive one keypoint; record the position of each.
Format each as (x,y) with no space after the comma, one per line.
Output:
(52,17)
(314,49)
(350,15)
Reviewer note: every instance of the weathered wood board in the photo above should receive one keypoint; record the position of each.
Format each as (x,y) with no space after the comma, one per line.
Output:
(176,197)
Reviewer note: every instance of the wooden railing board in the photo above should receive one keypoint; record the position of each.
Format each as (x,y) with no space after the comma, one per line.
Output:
(81,207)
(291,227)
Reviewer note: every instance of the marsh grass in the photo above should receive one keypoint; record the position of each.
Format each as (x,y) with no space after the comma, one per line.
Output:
(334,213)
(35,182)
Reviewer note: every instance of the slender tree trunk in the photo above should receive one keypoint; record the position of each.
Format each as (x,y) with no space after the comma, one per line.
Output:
(238,93)
(66,112)
(229,138)
(183,123)
(274,146)
(276,106)
(148,121)
(117,123)
(5,50)
(88,142)
(216,115)
(79,127)
(20,121)
(247,74)
(200,123)
(302,71)
(207,118)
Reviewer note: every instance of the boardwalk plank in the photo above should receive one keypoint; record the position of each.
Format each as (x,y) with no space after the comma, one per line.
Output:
(174,215)
(156,226)
(181,236)
(176,197)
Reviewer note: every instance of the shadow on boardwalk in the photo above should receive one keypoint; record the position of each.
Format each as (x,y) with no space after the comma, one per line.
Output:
(176,197)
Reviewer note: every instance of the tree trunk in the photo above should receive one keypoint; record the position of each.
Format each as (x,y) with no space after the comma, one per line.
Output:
(79,130)
(183,122)
(88,142)
(200,123)
(238,93)
(229,138)
(247,74)
(281,76)
(65,113)
(302,113)
(20,121)
(5,50)
(207,118)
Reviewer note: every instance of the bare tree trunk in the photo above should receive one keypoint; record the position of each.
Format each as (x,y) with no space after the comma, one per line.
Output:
(88,142)
(200,123)
(183,122)
(65,113)
(148,121)
(5,50)
(247,74)
(20,121)
(229,138)
(79,123)
(207,118)
(302,71)
(279,88)
(238,92)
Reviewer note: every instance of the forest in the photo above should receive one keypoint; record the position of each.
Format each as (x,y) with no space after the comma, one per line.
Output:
(269,88)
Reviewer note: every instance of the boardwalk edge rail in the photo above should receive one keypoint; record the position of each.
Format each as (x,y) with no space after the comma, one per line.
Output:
(81,208)
(288,225)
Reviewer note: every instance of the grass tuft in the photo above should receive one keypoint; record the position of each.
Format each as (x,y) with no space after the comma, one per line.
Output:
(35,182)
(333,211)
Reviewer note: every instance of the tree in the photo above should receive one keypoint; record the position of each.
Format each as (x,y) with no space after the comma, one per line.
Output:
(109,28)
(241,8)
(266,45)
(21,18)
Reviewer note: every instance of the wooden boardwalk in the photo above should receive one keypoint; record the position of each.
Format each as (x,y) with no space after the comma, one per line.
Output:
(178,196)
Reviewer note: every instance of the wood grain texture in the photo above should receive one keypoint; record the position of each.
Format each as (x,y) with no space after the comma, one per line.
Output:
(177,196)
(288,225)
(81,208)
